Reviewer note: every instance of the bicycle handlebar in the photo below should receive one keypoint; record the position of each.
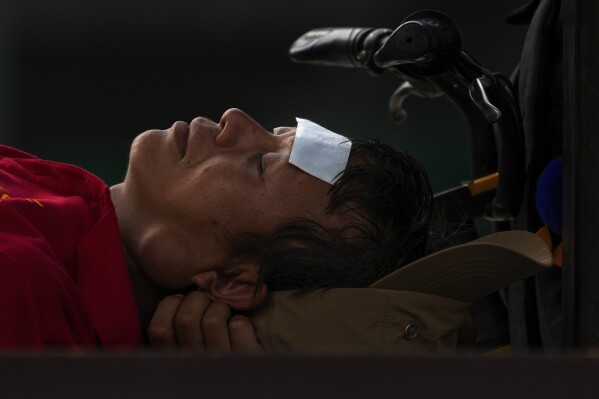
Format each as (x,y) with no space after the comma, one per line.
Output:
(425,51)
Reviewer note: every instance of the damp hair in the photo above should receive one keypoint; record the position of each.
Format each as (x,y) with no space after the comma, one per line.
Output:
(385,195)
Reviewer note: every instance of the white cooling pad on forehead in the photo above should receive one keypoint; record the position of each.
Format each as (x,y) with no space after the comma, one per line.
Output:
(319,152)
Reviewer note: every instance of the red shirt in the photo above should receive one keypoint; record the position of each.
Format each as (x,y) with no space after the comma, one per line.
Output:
(63,276)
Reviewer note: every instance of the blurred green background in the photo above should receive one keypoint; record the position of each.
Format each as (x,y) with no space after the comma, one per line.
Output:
(80,79)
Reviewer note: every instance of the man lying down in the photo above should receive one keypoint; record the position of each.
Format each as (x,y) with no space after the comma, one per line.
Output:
(216,220)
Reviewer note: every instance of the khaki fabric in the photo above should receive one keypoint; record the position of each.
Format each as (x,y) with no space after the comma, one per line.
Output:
(354,320)
(419,307)
(471,271)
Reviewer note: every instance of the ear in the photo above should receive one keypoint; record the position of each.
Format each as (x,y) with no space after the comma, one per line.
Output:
(235,286)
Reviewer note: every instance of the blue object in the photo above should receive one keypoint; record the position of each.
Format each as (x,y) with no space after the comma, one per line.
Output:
(549,195)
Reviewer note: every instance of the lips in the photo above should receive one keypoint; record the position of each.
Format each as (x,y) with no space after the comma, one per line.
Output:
(181,133)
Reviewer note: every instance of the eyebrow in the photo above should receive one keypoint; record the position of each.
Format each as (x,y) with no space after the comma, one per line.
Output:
(290,140)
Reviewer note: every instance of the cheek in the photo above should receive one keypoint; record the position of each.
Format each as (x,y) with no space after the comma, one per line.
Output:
(169,256)
(232,205)
(160,258)
(306,196)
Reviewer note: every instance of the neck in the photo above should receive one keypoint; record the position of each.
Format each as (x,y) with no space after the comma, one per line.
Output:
(146,294)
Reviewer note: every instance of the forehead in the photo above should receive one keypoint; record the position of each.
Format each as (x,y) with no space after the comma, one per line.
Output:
(290,192)
(319,151)
(315,158)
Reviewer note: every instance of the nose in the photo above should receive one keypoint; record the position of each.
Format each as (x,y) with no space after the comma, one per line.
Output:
(238,128)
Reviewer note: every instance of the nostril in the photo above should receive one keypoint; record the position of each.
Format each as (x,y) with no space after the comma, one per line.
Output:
(236,127)
(226,137)
(231,126)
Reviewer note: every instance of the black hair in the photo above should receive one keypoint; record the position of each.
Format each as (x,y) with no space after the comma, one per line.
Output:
(386,195)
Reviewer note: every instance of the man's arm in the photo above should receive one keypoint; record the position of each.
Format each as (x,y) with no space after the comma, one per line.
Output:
(19,315)
(196,322)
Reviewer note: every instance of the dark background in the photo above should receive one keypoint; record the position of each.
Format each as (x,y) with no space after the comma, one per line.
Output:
(80,78)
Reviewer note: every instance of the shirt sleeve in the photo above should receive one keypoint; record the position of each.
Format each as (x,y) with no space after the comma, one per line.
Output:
(20,321)
(40,305)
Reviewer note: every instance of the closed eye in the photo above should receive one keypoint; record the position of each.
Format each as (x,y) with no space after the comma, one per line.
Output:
(260,162)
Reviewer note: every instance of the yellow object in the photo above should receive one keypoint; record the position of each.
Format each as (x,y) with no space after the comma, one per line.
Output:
(484,184)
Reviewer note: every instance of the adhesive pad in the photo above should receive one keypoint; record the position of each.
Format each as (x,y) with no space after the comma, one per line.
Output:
(319,152)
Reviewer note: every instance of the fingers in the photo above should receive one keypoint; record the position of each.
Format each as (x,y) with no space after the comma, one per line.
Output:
(187,324)
(215,326)
(195,322)
(177,321)
(161,330)
(243,336)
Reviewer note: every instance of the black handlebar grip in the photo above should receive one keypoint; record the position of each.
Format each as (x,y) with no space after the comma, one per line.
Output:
(341,47)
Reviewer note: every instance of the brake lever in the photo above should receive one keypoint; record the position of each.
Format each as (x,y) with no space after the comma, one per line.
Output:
(478,94)
(405,90)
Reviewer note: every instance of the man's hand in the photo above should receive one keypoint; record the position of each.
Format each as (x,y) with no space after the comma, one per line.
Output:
(195,322)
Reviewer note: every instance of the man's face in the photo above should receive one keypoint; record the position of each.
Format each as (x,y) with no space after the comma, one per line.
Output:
(190,188)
